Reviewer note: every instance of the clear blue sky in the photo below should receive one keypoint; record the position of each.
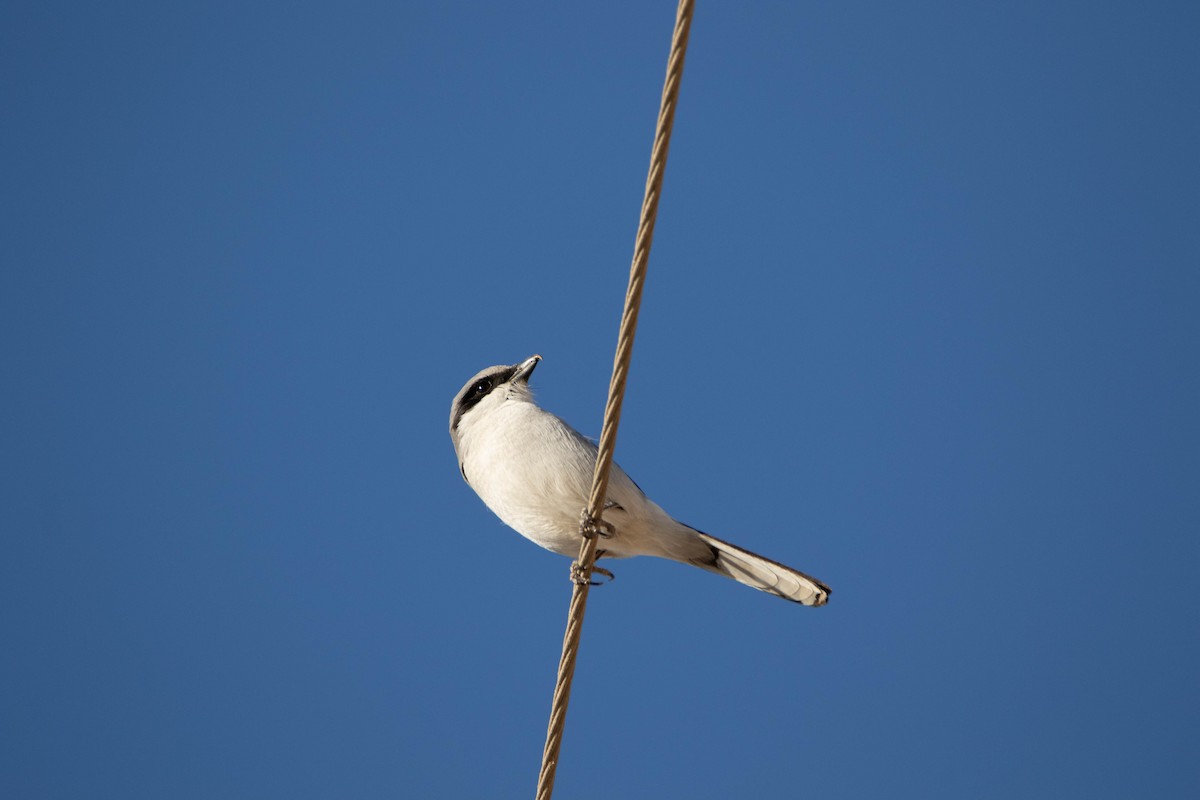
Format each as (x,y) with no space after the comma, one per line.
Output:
(921,320)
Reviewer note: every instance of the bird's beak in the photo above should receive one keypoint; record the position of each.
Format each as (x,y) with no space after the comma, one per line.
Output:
(525,368)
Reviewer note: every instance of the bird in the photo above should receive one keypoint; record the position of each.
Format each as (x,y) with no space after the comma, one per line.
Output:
(534,471)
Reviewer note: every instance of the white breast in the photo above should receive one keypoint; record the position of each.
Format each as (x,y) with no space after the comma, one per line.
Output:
(532,470)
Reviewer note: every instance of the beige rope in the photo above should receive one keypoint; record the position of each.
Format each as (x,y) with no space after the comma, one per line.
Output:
(591,525)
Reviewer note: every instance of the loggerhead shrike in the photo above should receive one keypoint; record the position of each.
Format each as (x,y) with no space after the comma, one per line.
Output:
(535,472)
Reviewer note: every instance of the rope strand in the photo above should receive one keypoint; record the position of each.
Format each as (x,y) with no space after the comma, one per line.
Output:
(592,524)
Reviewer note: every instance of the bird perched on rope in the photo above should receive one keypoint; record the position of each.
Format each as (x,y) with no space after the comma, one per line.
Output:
(535,472)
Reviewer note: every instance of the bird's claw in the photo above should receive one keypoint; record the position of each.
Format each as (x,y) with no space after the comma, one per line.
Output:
(589,526)
(579,577)
(604,572)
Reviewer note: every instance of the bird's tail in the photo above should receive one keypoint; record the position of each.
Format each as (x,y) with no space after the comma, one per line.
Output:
(762,573)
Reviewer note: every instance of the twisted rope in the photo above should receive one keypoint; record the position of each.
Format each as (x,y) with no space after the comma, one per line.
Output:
(592,524)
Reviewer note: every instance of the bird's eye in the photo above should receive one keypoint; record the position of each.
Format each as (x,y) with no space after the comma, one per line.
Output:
(481,387)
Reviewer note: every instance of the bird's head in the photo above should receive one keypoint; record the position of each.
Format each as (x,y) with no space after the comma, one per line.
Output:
(487,391)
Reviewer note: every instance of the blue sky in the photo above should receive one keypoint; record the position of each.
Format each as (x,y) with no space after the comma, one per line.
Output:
(921,320)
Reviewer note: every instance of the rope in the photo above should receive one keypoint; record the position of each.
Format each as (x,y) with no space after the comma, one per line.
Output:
(592,526)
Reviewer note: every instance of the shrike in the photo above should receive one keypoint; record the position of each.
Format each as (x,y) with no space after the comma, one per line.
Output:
(535,472)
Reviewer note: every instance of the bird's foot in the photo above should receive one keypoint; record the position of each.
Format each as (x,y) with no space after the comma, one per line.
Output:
(589,526)
(579,577)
